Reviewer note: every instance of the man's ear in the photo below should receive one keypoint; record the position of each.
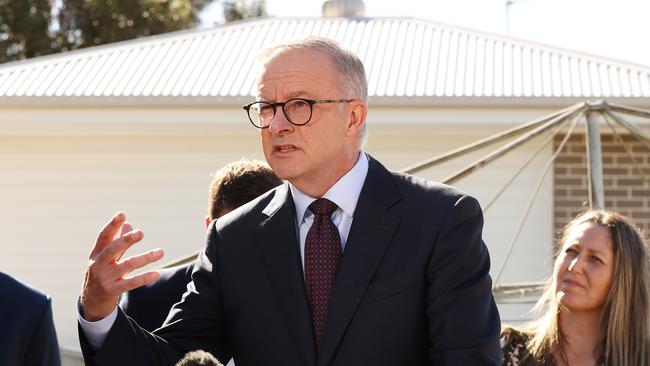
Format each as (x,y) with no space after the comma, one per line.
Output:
(357,117)
(207,221)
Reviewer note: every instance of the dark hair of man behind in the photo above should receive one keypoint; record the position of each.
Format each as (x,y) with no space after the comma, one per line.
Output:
(238,183)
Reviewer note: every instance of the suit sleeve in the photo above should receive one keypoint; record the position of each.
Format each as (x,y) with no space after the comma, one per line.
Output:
(463,319)
(197,322)
(194,323)
(127,305)
(44,347)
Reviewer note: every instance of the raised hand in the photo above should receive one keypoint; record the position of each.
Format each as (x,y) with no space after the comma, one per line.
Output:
(105,281)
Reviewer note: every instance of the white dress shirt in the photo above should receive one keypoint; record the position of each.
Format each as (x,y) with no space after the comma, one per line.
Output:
(344,193)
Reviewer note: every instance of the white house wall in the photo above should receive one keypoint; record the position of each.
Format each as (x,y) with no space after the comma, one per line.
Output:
(65,171)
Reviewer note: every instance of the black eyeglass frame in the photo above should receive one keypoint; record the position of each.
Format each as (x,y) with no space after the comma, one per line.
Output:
(275,106)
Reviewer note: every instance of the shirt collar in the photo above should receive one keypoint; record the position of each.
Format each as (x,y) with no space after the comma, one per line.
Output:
(345,192)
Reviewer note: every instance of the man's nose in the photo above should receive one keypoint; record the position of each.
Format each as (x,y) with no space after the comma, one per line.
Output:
(280,123)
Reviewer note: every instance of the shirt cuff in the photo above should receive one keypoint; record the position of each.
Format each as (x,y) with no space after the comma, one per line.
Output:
(96,332)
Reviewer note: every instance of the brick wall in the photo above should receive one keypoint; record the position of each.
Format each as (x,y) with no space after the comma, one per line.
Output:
(625,190)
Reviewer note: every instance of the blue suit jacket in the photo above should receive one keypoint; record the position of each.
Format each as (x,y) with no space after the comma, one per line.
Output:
(413,287)
(27,335)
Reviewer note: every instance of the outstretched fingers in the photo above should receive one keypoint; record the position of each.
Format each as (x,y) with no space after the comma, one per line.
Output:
(107,234)
(113,252)
(128,284)
(130,264)
(105,275)
(126,228)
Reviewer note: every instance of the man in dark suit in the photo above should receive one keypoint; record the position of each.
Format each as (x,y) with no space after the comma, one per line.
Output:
(27,335)
(346,264)
(232,186)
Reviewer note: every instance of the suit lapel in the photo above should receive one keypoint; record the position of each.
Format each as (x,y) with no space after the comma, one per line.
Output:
(281,254)
(375,220)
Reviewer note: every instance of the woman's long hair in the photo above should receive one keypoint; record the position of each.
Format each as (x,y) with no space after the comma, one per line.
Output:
(625,321)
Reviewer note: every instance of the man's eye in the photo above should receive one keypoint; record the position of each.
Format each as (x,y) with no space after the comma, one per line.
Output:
(298,105)
(265,109)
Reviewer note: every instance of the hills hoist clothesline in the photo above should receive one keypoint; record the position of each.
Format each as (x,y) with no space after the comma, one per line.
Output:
(589,112)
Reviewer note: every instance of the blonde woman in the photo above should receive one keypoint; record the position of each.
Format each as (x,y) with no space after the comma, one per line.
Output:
(595,309)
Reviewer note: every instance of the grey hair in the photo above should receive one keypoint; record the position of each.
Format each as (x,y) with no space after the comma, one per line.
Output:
(350,67)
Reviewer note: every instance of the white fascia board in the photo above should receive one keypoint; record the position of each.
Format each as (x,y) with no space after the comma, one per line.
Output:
(79,120)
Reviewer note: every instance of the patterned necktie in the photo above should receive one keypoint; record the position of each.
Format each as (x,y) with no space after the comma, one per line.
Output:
(322,257)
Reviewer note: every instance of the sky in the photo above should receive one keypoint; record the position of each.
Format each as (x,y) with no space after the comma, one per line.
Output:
(616,29)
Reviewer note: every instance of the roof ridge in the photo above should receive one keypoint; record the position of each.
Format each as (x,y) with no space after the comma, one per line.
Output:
(255,21)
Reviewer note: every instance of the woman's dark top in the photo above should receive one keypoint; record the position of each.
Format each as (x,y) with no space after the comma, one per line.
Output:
(514,350)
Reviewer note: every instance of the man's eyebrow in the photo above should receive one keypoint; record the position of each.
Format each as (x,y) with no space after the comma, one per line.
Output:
(300,93)
(294,94)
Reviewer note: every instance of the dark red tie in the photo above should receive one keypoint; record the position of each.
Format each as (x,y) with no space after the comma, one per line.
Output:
(322,257)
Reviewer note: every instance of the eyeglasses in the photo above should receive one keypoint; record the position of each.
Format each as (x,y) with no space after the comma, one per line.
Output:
(297,110)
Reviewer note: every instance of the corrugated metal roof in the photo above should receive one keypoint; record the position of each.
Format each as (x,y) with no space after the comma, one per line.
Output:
(404,58)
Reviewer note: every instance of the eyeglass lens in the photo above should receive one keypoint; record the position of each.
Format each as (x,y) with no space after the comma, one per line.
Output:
(297,111)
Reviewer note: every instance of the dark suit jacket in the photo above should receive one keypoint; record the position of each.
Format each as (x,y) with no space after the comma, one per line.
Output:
(27,335)
(150,304)
(412,289)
